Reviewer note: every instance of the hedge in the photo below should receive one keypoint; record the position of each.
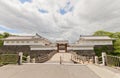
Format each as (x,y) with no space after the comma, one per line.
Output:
(8,58)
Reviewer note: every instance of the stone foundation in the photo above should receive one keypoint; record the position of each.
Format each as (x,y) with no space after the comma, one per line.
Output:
(14,49)
(85,52)
(39,55)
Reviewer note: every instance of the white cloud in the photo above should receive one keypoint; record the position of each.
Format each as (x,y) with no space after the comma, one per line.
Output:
(86,17)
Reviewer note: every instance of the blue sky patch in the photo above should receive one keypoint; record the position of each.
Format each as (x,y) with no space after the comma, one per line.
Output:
(68,3)
(23,1)
(43,11)
(62,11)
(67,8)
(5,29)
(71,9)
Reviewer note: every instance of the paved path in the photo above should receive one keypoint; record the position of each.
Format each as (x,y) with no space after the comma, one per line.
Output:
(65,58)
(46,71)
(104,71)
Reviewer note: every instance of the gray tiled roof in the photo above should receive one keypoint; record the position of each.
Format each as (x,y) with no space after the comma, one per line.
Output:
(26,38)
(96,37)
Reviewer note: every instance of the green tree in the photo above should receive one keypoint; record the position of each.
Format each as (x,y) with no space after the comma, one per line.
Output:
(116,35)
(1,42)
(1,36)
(100,49)
(5,34)
(102,33)
(116,43)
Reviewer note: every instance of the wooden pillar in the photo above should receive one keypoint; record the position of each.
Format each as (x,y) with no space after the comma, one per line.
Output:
(65,47)
(57,47)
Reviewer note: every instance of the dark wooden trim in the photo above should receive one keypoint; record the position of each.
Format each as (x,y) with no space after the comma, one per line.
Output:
(58,47)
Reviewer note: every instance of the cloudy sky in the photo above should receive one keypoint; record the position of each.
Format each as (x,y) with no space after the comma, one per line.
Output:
(59,19)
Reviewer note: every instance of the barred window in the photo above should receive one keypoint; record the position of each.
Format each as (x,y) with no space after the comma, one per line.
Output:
(22,41)
(17,41)
(27,41)
(7,41)
(35,41)
(12,41)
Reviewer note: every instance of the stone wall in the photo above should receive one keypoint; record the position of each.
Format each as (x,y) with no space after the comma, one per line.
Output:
(42,54)
(14,49)
(85,52)
(104,48)
(37,53)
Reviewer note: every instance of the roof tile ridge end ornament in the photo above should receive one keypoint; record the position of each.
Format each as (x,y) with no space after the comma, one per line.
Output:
(36,35)
(40,37)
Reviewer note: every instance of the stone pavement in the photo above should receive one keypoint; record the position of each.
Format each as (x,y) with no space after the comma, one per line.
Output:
(65,57)
(104,71)
(47,71)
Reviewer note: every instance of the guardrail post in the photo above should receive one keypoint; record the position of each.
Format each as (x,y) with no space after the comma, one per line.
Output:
(96,59)
(60,60)
(20,58)
(91,61)
(28,59)
(33,60)
(104,58)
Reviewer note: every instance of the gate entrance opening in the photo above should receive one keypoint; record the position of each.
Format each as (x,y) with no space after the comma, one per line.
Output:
(62,46)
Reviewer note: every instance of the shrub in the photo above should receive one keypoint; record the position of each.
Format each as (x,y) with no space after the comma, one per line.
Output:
(9,58)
